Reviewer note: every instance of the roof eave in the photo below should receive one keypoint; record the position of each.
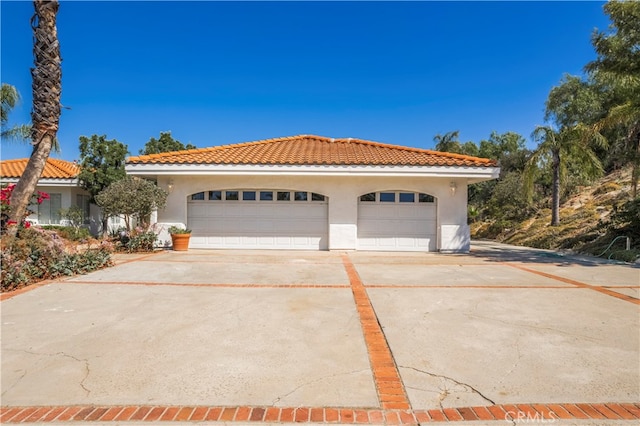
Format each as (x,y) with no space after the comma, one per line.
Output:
(470,172)
(61,182)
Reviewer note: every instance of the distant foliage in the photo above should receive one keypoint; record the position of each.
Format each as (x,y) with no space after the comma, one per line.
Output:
(101,163)
(165,143)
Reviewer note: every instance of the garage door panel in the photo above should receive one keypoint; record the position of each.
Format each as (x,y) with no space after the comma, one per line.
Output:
(198,210)
(258,224)
(396,226)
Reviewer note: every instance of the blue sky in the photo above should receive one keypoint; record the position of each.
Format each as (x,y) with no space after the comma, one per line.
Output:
(216,73)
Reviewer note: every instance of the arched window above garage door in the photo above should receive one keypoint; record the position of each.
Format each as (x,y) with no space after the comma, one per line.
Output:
(259,195)
(397,197)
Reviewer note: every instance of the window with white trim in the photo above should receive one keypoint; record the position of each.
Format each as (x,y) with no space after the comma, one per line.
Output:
(49,210)
(403,197)
(258,196)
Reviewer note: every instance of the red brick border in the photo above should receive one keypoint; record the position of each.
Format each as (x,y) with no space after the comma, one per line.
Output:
(391,393)
(322,415)
(579,284)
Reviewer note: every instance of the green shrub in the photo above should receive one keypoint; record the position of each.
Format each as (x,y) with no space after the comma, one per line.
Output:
(37,254)
(625,255)
(69,232)
(141,242)
(134,241)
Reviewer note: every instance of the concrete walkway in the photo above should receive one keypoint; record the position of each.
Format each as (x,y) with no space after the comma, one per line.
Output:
(503,334)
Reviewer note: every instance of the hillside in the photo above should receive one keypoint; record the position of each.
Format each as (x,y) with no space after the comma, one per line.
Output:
(588,222)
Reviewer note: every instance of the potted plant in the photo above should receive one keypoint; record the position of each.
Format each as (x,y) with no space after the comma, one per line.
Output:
(180,238)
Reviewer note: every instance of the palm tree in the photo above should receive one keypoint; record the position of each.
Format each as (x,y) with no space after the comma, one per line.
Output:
(9,97)
(617,67)
(448,142)
(626,116)
(47,88)
(567,145)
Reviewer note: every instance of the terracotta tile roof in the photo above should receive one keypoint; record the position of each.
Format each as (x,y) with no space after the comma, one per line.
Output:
(54,169)
(314,150)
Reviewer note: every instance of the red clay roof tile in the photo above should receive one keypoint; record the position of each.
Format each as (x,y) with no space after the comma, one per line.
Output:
(314,150)
(53,169)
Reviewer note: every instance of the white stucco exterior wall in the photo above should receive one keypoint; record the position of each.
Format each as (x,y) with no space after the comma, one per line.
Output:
(342,192)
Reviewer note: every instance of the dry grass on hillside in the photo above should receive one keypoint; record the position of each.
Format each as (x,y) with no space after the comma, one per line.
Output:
(583,220)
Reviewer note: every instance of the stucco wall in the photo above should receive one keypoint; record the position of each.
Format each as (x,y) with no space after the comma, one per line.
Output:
(343,193)
(67,197)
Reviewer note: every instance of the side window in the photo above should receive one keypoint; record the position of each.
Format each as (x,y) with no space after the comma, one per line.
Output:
(284,196)
(407,197)
(82,201)
(370,197)
(49,210)
(248,195)
(425,198)
(387,197)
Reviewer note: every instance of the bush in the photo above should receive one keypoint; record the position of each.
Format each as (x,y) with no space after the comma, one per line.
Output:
(135,241)
(69,232)
(37,254)
(142,242)
(625,256)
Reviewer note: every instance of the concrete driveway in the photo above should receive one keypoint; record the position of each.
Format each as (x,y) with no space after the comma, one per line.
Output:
(501,335)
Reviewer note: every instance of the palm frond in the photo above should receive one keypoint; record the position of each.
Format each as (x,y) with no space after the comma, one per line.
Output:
(18,133)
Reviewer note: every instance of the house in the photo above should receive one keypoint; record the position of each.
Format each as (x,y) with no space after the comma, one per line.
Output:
(317,193)
(60,180)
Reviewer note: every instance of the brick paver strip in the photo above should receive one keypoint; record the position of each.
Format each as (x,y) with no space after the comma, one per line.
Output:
(622,412)
(579,284)
(386,376)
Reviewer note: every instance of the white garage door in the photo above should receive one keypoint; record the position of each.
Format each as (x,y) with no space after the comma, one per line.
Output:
(258,219)
(397,221)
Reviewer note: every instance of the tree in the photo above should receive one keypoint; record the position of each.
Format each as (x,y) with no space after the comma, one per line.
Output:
(448,142)
(558,148)
(574,101)
(9,97)
(45,116)
(617,68)
(166,143)
(133,198)
(101,164)
(507,148)
(487,197)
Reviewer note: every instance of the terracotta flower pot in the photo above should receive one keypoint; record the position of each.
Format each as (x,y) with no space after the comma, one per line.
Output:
(180,241)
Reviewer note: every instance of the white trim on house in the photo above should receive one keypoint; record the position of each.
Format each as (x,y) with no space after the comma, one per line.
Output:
(48,182)
(442,226)
(475,174)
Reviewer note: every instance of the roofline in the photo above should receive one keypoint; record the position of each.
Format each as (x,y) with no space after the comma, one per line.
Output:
(46,181)
(137,159)
(146,169)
